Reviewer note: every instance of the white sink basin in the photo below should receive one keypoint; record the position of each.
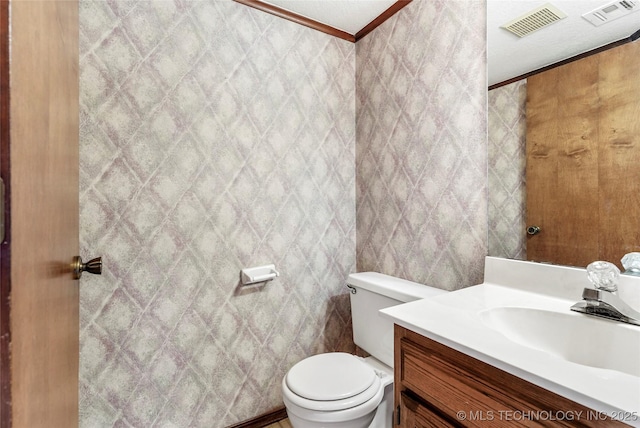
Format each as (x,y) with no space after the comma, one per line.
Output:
(578,338)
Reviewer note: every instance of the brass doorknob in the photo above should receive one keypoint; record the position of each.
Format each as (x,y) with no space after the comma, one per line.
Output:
(93,266)
(533,230)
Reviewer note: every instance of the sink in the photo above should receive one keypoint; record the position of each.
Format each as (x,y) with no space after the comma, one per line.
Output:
(519,321)
(571,336)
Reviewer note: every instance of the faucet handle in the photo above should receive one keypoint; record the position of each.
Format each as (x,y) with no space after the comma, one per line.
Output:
(631,263)
(604,276)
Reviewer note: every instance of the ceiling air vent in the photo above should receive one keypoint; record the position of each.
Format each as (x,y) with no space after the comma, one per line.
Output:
(611,11)
(535,20)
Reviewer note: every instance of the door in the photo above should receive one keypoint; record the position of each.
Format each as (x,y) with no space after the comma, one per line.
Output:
(5,268)
(44,306)
(583,152)
(562,164)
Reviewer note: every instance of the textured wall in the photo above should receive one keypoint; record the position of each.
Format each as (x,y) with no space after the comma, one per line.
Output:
(213,137)
(421,151)
(507,160)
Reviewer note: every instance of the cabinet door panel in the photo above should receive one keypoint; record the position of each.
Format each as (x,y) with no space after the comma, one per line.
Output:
(435,384)
(414,414)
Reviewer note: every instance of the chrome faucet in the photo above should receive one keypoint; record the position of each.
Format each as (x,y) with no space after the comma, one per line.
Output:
(631,262)
(602,301)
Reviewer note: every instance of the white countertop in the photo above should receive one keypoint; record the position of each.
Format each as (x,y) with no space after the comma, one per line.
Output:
(454,319)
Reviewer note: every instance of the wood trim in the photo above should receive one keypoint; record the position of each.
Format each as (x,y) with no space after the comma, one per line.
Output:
(263,420)
(611,45)
(332,31)
(5,250)
(393,9)
(298,19)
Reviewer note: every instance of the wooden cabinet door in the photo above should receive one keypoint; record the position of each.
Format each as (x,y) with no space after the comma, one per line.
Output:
(44,306)
(413,414)
(436,386)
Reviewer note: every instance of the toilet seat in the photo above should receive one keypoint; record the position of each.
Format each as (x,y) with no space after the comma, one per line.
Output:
(332,405)
(331,382)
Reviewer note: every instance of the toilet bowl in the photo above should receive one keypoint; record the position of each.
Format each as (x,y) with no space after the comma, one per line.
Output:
(339,390)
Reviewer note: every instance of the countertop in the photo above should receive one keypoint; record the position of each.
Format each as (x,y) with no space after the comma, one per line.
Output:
(455,319)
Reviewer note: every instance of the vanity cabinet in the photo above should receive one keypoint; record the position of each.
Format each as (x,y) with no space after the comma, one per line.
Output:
(436,386)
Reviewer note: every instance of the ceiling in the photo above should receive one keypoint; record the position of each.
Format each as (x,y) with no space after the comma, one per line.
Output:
(350,16)
(508,55)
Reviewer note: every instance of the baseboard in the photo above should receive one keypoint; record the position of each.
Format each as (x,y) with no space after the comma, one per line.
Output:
(263,420)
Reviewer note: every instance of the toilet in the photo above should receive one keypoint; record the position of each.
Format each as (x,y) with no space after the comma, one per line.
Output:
(340,390)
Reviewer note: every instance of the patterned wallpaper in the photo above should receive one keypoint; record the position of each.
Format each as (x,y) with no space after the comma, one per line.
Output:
(213,137)
(507,160)
(421,151)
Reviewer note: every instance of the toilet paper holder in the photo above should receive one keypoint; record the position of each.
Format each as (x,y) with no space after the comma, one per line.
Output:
(258,274)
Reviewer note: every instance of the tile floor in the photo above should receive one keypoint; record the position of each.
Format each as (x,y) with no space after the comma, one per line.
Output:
(282,424)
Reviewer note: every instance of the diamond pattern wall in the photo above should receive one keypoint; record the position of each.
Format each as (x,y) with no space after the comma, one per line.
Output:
(507,160)
(421,151)
(213,137)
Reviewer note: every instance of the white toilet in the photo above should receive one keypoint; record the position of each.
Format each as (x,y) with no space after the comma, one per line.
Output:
(339,390)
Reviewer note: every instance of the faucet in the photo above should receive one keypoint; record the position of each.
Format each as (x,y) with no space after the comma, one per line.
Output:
(631,262)
(603,301)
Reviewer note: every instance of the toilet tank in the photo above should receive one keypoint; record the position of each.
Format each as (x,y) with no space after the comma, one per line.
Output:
(374,291)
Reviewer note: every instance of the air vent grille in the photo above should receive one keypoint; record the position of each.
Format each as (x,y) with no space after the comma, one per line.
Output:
(535,20)
(611,11)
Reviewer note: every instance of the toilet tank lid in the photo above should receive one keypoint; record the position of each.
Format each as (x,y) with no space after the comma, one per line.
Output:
(390,286)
